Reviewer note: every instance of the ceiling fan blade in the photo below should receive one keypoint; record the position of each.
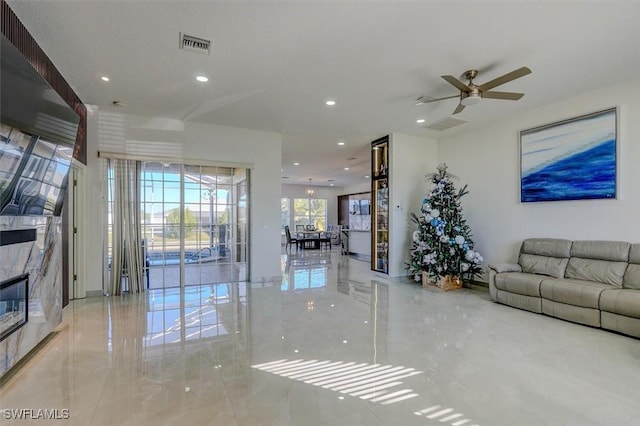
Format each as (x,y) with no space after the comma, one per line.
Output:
(425,99)
(458,109)
(520,72)
(457,83)
(509,96)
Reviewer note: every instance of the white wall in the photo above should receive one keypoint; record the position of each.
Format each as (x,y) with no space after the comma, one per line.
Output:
(411,159)
(355,189)
(126,133)
(488,160)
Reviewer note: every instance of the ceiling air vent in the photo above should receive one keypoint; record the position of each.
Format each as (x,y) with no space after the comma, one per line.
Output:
(195,44)
(446,123)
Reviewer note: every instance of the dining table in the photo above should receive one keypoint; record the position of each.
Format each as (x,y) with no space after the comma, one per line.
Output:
(310,239)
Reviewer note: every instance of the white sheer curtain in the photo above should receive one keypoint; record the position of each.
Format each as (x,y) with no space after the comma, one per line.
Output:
(127,254)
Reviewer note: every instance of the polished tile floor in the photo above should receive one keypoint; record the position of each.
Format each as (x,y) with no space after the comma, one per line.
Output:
(332,344)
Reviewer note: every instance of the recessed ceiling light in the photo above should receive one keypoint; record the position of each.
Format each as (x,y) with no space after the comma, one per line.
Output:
(341,143)
(420,121)
(346,168)
(331,184)
(296,164)
(366,177)
(104,78)
(330,102)
(202,78)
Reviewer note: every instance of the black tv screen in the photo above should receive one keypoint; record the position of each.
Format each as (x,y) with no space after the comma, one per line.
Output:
(364,207)
(33,174)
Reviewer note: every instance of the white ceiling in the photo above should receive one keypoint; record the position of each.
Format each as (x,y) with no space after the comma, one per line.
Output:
(274,63)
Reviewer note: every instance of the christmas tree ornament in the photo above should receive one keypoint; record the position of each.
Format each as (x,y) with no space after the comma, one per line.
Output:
(442,250)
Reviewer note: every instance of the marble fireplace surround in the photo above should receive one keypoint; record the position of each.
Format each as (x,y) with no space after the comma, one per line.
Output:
(42,260)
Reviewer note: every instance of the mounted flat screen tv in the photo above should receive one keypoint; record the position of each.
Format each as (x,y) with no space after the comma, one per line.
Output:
(37,134)
(359,207)
(364,207)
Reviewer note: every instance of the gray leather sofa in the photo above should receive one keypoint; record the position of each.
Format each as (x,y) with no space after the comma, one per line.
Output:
(596,283)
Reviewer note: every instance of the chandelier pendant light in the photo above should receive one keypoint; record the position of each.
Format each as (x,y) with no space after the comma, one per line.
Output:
(310,190)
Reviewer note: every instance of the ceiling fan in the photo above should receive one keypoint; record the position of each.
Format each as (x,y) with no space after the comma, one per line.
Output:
(471,94)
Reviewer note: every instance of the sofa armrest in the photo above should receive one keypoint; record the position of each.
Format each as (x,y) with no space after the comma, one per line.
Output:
(505,267)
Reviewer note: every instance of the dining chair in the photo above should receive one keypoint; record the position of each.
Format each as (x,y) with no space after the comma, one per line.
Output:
(336,234)
(290,240)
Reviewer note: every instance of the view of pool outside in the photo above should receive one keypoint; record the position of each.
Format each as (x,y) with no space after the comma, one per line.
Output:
(201,209)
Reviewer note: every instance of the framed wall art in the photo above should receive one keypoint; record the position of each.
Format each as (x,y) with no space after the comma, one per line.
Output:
(573,159)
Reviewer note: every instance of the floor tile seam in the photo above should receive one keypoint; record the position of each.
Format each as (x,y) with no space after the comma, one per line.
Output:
(227,394)
(31,360)
(94,409)
(109,366)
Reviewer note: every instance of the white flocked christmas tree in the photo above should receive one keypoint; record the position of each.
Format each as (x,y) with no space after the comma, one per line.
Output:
(442,244)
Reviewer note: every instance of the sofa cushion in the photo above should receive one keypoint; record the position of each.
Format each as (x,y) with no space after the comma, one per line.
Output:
(622,302)
(632,275)
(519,283)
(529,303)
(634,254)
(602,271)
(615,251)
(573,292)
(505,267)
(543,265)
(620,323)
(579,314)
(550,247)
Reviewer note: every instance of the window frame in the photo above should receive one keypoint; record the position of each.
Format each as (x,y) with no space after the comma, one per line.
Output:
(319,220)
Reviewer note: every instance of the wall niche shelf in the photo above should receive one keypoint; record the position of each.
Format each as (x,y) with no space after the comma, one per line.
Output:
(380,205)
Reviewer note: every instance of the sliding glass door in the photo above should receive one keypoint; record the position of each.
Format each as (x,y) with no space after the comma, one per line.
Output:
(160,214)
(194,224)
(214,226)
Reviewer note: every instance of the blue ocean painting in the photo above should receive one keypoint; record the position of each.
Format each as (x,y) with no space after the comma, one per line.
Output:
(570,160)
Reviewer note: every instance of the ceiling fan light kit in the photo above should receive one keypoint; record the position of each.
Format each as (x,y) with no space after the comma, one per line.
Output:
(471,99)
(472,94)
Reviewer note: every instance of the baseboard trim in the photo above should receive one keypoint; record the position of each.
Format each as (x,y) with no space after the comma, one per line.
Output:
(18,366)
